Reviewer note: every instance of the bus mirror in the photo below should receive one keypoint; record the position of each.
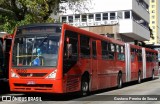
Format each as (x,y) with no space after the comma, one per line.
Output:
(69,50)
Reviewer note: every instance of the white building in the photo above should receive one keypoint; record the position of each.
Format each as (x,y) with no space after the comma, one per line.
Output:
(129,19)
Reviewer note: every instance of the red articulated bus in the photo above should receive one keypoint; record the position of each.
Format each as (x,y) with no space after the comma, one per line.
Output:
(59,58)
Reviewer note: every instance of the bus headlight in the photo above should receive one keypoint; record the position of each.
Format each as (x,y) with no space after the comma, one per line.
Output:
(52,75)
(13,74)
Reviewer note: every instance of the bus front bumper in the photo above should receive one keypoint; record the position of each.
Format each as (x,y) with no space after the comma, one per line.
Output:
(36,85)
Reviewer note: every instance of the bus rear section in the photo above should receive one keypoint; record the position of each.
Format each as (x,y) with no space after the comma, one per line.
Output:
(151,63)
(141,63)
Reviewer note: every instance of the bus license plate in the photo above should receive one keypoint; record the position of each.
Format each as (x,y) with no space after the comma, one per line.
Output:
(31,83)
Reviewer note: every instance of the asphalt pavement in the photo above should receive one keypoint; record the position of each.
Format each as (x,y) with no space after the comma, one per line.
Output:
(148,92)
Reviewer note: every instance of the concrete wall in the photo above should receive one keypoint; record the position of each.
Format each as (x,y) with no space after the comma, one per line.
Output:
(100,29)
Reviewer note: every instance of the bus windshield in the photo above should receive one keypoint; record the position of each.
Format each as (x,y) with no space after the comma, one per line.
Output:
(38,50)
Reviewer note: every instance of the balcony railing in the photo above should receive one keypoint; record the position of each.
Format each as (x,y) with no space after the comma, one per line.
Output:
(92,22)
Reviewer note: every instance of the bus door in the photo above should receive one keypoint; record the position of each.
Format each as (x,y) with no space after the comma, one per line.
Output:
(7,47)
(71,68)
(94,66)
(1,60)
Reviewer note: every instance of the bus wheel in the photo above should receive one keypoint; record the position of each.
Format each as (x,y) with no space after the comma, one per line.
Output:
(84,87)
(153,75)
(119,81)
(139,77)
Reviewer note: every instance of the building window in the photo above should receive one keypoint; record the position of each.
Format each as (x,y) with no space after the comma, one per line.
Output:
(153,6)
(105,16)
(153,1)
(153,32)
(77,17)
(153,27)
(153,11)
(127,14)
(90,16)
(153,22)
(64,19)
(110,35)
(84,18)
(70,18)
(98,17)
(119,14)
(112,16)
(153,17)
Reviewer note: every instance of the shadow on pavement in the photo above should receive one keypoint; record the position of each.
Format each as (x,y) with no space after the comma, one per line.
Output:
(4,87)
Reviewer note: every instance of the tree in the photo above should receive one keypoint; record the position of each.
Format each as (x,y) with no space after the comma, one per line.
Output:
(21,12)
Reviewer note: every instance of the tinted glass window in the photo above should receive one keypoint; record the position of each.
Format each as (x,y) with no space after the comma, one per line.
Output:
(104,50)
(72,38)
(94,52)
(84,46)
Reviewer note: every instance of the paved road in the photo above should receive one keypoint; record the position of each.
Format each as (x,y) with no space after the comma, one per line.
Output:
(131,93)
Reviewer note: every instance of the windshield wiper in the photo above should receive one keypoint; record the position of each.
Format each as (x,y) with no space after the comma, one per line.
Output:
(43,40)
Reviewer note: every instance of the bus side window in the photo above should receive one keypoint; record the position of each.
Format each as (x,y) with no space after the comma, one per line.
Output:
(111,48)
(104,50)
(121,56)
(140,57)
(148,58)
(120,51)
(132,57)
(139,53)
(94,51)
(84,46)
(71,42)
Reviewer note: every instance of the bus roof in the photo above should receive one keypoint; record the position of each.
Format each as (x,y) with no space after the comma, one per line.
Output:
(76,29)
(2,34)
(39,24)
(94,35)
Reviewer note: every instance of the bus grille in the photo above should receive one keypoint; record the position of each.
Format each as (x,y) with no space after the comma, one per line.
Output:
(35,85)
(32,74)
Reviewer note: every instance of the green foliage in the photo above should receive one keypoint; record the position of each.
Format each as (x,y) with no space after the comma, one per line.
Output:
(21,12)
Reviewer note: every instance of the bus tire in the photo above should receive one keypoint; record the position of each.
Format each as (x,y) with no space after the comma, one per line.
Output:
(139,77)
(84,86)
(153,76)
(119,82)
